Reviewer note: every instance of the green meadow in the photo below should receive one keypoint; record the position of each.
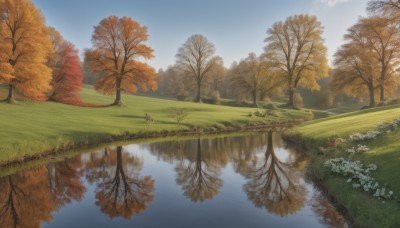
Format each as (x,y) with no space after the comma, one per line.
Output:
(30,128)
(366,210)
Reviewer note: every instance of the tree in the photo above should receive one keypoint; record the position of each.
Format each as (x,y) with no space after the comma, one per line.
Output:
(385,7)
(67,74)
(253,77)
(24,48)
(297,52)
(355,72)
(217,75)
(118,45)
(196,58)
(382,37)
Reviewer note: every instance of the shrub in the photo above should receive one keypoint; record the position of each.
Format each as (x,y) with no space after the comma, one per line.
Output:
(179,114)
(215,97)
(271,106)
(298,100)
(183,95)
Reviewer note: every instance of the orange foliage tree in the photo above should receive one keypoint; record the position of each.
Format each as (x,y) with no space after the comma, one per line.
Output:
(24,49)
(67,78)
(67,74)
(118,45)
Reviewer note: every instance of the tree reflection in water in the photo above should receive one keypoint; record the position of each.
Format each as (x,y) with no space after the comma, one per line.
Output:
(199,178)
(121,191)
(29,197)
(273,184)
(328,213)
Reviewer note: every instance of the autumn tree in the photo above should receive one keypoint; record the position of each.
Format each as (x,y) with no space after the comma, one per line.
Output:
(196,58)
(217,77)
(118,47)
(24,49)
(382,37)
(355,73)
(296,50)
(67,79)
(67,74)
(389,8)
(174,83)
(254,77)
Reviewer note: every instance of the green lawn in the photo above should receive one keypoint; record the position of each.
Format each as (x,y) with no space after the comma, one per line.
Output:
(28,128)
(385,153)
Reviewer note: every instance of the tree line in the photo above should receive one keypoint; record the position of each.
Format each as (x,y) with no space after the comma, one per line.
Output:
(38,63)
(365,66)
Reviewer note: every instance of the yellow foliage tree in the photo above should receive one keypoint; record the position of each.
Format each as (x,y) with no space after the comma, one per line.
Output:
(118,45)
(296,50)
(24,49)
(382,37)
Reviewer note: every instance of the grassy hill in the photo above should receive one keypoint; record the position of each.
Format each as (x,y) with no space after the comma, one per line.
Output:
(28,128)
(384,152)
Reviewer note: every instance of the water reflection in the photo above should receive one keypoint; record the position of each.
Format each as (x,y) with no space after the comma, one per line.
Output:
(328,213)
(121,191)
(273,184)
(119,182)
(29,197)
(199,177)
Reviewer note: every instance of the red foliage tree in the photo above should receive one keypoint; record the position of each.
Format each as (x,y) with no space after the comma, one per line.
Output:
(67,75)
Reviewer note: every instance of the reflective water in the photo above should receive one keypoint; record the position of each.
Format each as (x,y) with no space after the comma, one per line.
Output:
(246,181)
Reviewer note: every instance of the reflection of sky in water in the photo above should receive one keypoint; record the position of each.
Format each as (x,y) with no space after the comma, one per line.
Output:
(228,207)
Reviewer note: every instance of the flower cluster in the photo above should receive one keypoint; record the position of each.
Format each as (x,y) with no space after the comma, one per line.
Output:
(359,176)
(389,126)
(360,148)
(364,136)
(380,129)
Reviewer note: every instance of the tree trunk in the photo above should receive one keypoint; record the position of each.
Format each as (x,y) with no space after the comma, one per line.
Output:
(118,92)
(382,88)
(371,96)
(291,99)
(198,98)
(10,97)
(255,98)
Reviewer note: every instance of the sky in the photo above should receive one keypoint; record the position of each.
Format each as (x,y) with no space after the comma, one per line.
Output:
(235,27)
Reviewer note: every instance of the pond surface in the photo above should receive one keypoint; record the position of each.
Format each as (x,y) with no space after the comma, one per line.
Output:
(241,181)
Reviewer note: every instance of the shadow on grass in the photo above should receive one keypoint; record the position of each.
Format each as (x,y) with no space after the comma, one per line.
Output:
(130,116)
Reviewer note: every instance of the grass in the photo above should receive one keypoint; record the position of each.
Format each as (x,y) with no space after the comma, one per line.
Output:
(29,128)
(385,153)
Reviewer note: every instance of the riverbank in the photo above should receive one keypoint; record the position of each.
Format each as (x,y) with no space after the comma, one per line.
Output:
(31,129)
(319,136)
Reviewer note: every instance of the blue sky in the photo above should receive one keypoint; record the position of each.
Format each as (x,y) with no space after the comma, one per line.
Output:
(236,27)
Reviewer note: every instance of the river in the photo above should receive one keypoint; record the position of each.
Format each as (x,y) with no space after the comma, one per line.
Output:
(228,181)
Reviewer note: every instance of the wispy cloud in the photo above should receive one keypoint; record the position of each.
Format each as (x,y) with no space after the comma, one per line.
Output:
(330,3)
(325,4)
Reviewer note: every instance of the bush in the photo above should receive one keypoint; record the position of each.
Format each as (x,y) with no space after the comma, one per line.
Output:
(183,95)
(271,106)
(298,100)
(215,97)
